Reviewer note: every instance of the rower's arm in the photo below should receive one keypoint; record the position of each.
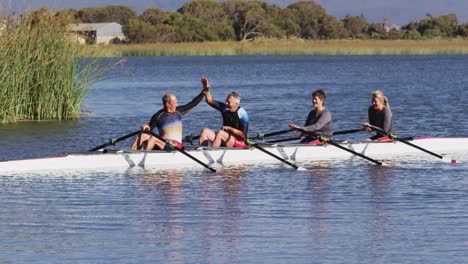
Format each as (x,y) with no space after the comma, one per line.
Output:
(236,132)
(208,97)
(324,119)
(387,124)
(187,107)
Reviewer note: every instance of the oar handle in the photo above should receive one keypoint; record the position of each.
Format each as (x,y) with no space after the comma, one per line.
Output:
(182,151)
(190,138)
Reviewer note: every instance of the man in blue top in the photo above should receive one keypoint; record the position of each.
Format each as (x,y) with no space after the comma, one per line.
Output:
(235,122)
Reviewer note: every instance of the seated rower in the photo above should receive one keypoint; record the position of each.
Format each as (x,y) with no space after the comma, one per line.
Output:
(169,123)
(235,122)
(380,116)
(318,122)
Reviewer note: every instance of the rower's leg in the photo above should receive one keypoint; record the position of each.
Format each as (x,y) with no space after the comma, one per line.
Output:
(206,136)
(136,142)
(140,142)
(152,142)
(223,137)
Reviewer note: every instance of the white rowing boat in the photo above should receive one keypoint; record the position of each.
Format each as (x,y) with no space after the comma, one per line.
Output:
(230,156)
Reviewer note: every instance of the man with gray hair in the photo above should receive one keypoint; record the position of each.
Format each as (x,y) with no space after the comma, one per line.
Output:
(235,122)
(169,123)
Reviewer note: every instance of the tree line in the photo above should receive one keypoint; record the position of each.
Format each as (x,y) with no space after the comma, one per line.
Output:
(207,20)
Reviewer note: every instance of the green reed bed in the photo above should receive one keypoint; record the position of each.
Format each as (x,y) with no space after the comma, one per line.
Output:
(42,75)
(293,47)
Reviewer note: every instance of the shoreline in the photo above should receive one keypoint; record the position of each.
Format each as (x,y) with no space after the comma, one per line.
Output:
(288,48)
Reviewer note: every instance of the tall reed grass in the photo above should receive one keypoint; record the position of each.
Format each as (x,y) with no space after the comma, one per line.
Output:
(294,47)
(42,71)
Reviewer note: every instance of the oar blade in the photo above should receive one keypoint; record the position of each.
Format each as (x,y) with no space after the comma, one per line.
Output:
(449,160)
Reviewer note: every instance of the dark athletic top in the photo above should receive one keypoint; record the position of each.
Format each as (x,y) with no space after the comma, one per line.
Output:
(319,123)
(238,119)
(170,124)
(382,119)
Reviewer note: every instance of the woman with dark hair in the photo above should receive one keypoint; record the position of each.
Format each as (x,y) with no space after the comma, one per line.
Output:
(318,121)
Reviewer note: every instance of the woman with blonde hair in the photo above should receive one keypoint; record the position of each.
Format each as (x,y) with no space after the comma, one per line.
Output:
(380,116)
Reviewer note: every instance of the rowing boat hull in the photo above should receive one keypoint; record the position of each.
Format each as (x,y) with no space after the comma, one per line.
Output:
(230,156)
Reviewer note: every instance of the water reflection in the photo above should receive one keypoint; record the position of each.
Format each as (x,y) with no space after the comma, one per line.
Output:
(210,204)
(225,214)
(159,202)
(380,197)
(320,190)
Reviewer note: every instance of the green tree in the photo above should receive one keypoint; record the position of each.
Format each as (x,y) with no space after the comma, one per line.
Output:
(118,14)
(138,31)
(154,16)
(377,31)
(462,30)
(307,15)
(212,13)
(190,29)
(70,15)
(249,19)
(357,26)
(411,34)
(394,33)
(431,27)
(332,28)
(276,24)
(286,21)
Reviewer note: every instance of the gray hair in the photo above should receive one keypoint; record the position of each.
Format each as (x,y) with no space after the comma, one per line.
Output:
(167,98)
(236,95)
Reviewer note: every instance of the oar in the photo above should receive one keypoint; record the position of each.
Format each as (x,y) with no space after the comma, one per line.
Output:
(255,145)
(182,151)
(343,132)
(112,141)
(263,136)
(190,138)
(333,143)
(393,136)
(283,140)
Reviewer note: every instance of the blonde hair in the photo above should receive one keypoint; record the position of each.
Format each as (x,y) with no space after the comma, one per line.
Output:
(380,95)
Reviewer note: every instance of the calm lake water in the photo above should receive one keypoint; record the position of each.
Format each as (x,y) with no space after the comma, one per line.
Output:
(335,212)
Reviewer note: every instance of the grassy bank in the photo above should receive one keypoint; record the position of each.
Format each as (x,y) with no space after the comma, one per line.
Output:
(42,73)
(292,47)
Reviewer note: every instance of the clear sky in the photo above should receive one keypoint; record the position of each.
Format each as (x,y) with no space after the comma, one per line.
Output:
(397,11)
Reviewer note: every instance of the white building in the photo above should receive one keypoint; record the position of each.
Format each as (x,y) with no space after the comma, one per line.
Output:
(99,33)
